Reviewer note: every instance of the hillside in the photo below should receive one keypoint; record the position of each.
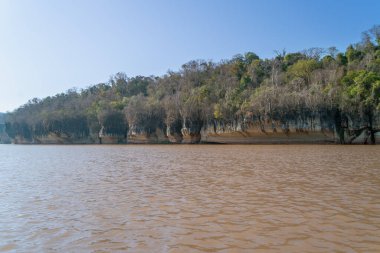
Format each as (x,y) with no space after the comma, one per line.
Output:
(311,96)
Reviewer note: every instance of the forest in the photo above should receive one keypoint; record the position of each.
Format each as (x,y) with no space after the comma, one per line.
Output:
(334,91)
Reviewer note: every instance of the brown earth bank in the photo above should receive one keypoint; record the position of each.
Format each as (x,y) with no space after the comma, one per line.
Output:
(250,135)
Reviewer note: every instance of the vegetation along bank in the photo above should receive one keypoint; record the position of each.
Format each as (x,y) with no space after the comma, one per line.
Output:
(313,96)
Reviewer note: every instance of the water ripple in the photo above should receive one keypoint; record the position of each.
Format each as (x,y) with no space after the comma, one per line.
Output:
(184,198)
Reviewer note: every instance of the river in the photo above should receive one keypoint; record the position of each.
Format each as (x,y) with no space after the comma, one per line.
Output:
(190,198)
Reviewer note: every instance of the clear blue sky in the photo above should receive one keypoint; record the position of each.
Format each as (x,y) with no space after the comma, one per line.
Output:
(49,46)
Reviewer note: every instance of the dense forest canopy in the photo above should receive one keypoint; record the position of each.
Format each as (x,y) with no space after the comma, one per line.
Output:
(338,87)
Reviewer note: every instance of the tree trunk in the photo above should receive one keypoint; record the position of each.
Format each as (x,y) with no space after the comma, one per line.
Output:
(338,126)
(370,128)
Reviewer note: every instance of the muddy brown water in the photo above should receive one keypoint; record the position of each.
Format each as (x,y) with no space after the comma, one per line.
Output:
(190,198)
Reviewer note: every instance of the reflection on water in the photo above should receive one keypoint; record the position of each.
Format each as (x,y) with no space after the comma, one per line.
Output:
(190,198)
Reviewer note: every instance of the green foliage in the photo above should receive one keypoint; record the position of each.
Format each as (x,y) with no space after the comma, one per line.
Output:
(303,69)
(250,57)
(327,60)
(353,54)
(218,112)
(292,58)
(138,85)
(341,59)
(362,87)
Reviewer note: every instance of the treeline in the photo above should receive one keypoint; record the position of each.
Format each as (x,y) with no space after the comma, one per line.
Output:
(3,137)
(340,89)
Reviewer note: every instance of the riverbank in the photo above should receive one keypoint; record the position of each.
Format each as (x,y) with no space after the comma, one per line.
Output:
(249,136)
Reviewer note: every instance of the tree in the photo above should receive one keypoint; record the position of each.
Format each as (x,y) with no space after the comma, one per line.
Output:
(361,95)
(303,69)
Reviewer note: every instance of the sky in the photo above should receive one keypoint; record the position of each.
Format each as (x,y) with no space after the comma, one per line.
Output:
(50,46)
